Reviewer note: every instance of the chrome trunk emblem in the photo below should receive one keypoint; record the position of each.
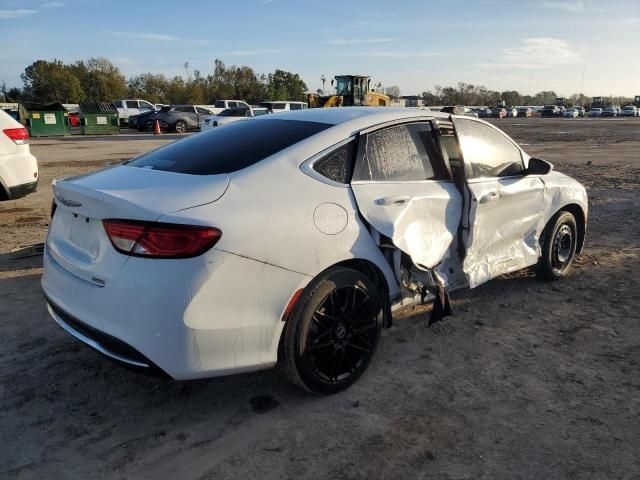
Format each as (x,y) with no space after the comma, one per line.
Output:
(67,203)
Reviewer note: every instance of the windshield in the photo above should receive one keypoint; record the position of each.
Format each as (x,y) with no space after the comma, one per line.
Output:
(343,86)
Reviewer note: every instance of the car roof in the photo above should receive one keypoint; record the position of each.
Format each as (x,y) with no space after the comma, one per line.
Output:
(362,116)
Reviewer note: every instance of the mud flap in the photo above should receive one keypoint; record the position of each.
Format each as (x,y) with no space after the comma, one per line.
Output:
(441,304)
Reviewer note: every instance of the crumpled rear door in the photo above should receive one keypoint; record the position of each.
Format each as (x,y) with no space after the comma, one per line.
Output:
(405,193)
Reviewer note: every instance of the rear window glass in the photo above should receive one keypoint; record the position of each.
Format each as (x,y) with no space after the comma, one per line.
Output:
(229,149)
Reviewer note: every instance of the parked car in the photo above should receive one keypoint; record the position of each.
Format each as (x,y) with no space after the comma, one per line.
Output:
(290,238)
(498,112)
(126,108)
(231,115)
(18,167)
(512,112)
(484,113)
(551,111)
(141,121)
(629,111)
(581,111)
(221,105)
(178,118)
(525,112)
(610,112)
(571,113)
(595,112)
(275,107)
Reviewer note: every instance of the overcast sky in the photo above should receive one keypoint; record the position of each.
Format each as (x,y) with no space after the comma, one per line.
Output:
(416,44)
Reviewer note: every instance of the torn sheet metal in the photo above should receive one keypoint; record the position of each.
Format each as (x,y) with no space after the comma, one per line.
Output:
(506,220)
(421,218)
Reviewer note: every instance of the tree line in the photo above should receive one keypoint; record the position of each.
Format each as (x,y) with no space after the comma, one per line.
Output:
(468,94)
(97,79)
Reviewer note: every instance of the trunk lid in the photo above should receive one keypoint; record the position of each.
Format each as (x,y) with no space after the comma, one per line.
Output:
(77,241)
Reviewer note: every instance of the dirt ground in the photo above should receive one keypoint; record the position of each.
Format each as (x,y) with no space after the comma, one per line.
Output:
(529,379)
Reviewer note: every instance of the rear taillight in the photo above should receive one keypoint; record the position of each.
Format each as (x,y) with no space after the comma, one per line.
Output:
(160,240)
(20,136)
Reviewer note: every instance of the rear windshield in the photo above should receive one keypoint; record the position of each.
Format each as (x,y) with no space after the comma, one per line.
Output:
(229,149)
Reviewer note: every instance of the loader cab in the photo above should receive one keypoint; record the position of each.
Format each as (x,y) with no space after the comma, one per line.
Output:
(353,88)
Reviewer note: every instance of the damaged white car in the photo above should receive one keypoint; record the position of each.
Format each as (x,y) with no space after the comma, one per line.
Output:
(289,239)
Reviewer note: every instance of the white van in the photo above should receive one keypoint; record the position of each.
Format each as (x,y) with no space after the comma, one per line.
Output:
(126,108)
(275,106)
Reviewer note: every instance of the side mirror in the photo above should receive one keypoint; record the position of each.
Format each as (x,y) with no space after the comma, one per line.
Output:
(539,167)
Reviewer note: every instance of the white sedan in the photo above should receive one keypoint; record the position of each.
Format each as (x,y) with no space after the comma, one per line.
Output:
(291,238)
(571,113)
(18,167)
(231,115)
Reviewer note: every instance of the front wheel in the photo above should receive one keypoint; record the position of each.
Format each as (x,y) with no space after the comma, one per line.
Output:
(559,247)
(180,127)
(333,331)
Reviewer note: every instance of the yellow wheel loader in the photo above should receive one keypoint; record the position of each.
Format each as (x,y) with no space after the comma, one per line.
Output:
(351,90)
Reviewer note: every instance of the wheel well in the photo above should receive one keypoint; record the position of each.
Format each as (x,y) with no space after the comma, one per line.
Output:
(371,270)
(4,191)
(578,213)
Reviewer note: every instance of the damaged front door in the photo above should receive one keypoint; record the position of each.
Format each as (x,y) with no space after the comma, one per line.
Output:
(404,190)
(504,214)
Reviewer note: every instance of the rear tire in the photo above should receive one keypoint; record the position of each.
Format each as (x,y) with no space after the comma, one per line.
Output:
(332,332)
(559,246)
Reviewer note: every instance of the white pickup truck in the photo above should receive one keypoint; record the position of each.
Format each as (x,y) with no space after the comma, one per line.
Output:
(221,105)
(127,108)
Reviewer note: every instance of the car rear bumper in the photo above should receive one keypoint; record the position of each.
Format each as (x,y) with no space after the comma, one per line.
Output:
(212,315)
(20,191)
(113,348)
(18,172)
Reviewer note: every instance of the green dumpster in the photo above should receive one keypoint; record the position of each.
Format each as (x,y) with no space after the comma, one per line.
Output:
(98,118)
(44,120)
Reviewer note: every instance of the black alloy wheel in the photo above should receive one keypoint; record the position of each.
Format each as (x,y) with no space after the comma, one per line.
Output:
(333,331)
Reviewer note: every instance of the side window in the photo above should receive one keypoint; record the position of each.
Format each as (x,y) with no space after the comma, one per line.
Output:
(117,104)
(279,106)
(232,104)
(401,153)
(146,105)
(203,111)
(488,152)
(295,106)
(219,104)
(132,104)
(338,165)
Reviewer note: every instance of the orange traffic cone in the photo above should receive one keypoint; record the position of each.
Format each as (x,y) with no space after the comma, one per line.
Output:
(156,130)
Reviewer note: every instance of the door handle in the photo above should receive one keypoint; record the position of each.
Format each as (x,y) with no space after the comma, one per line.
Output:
(393,200)
(489,197)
